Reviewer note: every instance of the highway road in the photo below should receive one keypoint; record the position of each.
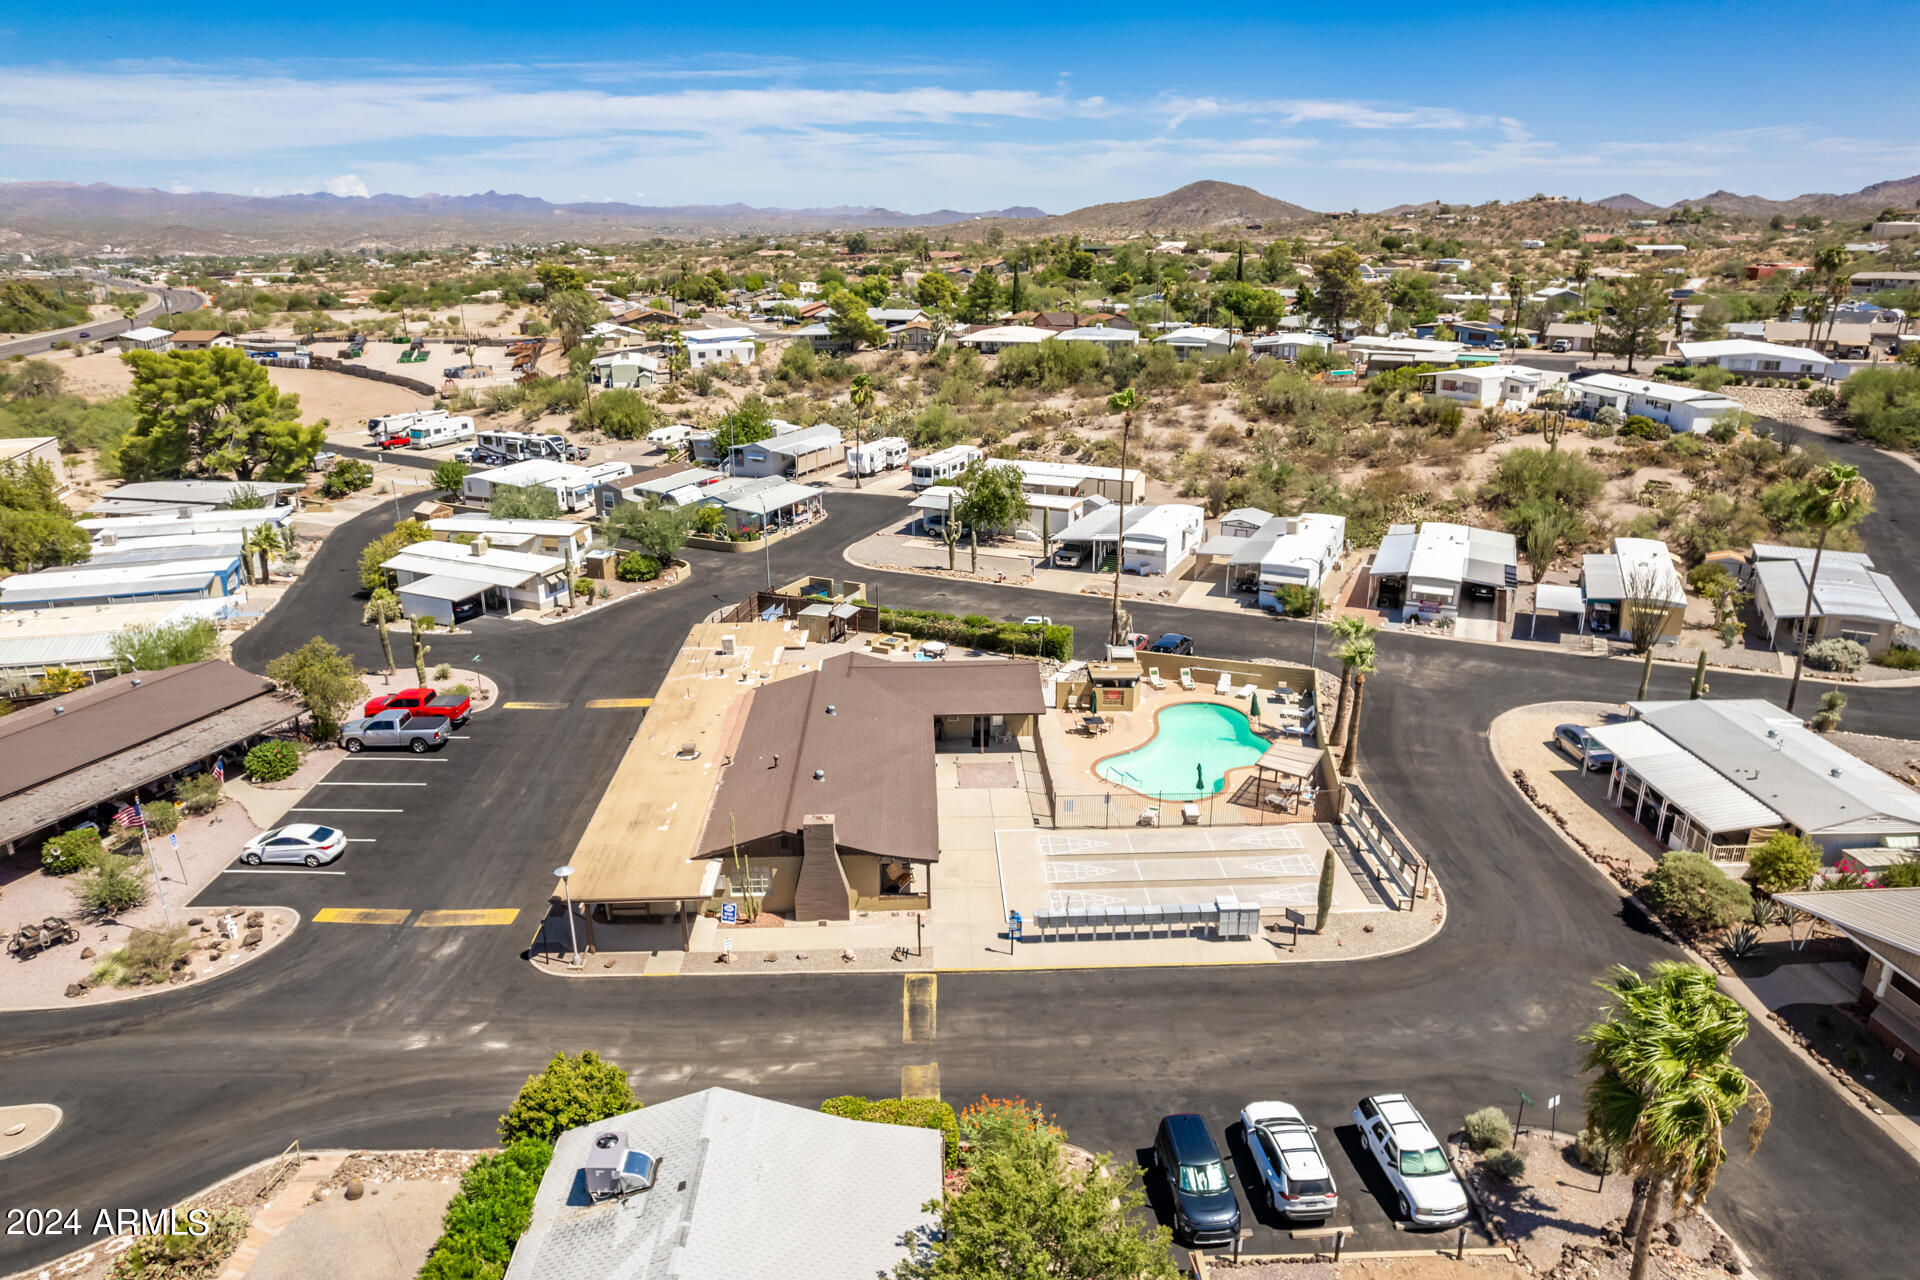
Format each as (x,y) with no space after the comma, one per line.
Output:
(390,1035)
(168,302)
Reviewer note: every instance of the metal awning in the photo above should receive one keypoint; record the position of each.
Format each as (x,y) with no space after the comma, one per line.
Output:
(444,586)
(1555,597)
(1689,783)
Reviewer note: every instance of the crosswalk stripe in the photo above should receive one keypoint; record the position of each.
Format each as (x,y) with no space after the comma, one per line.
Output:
(535,706)
(361,915)
(473,916)
(921,1081)
(602,704)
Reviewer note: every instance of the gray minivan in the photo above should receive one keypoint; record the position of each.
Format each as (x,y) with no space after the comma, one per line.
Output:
(1204,1208)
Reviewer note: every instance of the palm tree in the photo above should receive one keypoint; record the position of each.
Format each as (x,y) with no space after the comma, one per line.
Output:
(1785,305)
(1355,656)
(1831,265)
(1121,402)
(1346,628)
(1840,495)
(860,396)
(1666,1086)
(382,608)
(261,541)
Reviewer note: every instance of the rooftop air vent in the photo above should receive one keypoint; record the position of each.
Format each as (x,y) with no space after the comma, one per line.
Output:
(1834,772)
(819,775)
(830,710)
(614,1169)
(59,711)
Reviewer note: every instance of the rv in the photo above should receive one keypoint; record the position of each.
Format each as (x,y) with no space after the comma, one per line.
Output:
(876,456)
(669,437)
(518,446)
(389,425)
(937,468)
(435,432)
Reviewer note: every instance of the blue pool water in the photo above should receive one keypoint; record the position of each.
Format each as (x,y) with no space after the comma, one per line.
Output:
(1214,737)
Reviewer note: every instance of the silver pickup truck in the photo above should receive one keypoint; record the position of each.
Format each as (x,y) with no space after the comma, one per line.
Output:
(395,729)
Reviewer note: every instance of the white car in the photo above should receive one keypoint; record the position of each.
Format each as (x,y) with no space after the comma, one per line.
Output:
(303,842)
(1413,1160)
(1298,1183)
(1037,620)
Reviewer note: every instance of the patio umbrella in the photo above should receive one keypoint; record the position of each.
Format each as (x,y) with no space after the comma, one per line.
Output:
(1199,776)
(1254,709)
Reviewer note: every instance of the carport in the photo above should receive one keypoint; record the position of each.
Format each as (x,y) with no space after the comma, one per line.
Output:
(449,599)
(1558,598)
(1683,801)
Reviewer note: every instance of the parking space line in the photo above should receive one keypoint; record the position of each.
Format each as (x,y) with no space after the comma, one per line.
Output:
(362,840)
(331,783)
(475,916)
(917,997)
(361,915)
(601,704)
(921,1081)
(536,706)
(405,757)
(330,809)
(278,871)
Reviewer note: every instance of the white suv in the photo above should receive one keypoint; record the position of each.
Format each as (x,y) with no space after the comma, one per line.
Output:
(1294,1173)
(1413,1160)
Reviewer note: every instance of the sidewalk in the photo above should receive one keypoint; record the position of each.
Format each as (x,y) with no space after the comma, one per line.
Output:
(285,1207)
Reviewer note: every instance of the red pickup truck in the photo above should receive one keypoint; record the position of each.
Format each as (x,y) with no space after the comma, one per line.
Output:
(424,702)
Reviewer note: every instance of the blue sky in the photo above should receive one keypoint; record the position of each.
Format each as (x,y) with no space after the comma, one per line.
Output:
(968,106)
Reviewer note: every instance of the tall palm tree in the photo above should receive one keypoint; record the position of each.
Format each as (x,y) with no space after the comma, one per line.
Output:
(860,396)
(1123,403)
(1346,628)
(260,542)
(1830,264)
(1356,656)
(1666,1088)
(1785,305)
(1840,495)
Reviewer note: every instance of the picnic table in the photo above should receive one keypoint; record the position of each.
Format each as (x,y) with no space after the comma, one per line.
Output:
(1094,724)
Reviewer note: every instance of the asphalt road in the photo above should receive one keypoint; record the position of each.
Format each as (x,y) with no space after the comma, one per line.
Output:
(392,1035)
(171,300)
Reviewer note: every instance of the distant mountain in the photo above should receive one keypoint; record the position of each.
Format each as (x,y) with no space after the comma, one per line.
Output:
(1198,206)
(1899,193)
(61,215)
(1624,203)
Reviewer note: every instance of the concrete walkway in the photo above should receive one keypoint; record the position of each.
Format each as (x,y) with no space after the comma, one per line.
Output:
(284,1208)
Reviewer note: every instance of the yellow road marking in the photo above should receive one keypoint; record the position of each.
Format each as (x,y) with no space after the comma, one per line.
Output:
(361,915)
(920,1082)
(917,997)
(445,919)
(602,704)
(535,706)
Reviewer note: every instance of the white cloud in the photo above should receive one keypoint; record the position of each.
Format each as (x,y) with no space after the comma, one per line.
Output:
(347,184)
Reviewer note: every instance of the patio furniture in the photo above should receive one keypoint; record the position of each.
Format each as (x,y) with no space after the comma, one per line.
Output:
(1190,815)
(1287,798)
(1308,794)
(1094,724)
(1149,816)
(1153,678)
(934,648)
(1303,728)
(1224,685)
(1186,678)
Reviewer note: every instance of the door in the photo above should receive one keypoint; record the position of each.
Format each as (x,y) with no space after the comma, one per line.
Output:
(383,732)
(284,849)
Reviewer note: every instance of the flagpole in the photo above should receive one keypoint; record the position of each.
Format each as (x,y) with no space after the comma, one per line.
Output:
(147,844)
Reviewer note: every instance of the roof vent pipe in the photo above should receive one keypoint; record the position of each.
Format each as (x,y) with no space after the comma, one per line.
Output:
(819,775)
(59,711)
(1834,772)
(830,710)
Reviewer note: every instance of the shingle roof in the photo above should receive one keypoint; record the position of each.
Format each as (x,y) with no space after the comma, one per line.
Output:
(745,1187)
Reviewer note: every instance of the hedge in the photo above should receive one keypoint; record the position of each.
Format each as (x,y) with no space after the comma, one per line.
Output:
(976,632)
(487,1217)
(919,1113)
(67,853)
(272,761)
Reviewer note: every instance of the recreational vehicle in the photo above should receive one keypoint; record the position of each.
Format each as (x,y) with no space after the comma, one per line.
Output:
(435,432)
(937,468)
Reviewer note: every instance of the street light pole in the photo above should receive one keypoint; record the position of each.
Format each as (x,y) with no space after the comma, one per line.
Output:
(1313,646)
(573,937)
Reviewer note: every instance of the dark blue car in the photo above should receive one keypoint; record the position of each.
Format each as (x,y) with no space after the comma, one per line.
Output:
(1172,642)
(1204,1208)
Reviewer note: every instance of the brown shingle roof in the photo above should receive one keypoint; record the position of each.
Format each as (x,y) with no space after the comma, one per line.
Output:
(875,750)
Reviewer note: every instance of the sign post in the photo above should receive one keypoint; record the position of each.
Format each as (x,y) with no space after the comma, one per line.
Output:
(174,840)
(1524,1100)
(1553,1113)
(729,913)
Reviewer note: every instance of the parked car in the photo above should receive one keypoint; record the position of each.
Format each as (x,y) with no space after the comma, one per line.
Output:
(469,454)
(1428,1190)
(1561,346)
(1036,620)
(1067,559)
(303,842)
(417,733)
(1204,1208)
(1172,642)
(455,708)
(398,440)
(1295,1174)
(84,333)
(1583,747)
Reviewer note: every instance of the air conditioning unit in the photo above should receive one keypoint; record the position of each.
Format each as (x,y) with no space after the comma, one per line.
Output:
(615,1169)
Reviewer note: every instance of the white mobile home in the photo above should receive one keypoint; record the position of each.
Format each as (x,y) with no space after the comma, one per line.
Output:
(453,582)
(1154,540)
(1681,407)
(1766,359)
(936,468)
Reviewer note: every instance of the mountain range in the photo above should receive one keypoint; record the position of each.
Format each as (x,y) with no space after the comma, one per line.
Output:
(1900,193)
(1198,206)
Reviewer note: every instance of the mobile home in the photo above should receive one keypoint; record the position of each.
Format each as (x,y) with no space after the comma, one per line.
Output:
(875,456)
(936,468)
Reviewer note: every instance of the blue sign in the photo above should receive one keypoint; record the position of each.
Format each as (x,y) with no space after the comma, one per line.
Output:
(174,841)
(729,913)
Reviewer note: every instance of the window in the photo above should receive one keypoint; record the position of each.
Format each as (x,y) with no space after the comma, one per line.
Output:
(1769,366)
(754,885)
(1203,1178)
(1420,1164)
(1863,638)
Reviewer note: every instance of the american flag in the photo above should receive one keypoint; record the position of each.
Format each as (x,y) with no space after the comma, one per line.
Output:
(220,770)
(130,816)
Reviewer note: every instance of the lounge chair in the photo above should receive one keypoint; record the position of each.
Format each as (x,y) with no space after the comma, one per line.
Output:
(1149,816)
(1304,729)
(1190,815)
(1153,678)
(1224,685)
(1186,678)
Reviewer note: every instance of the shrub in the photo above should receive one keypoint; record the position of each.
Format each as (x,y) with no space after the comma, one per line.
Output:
(1884,405)
(1489,1130)
(919,1113)
(637,566)
(1694,895)
(163,816)
(198,794)
(1595,1153)
(1803,384)
(1822,398)
(349,475)
(1836,654)
(489,1214)
(1900,658)
(1538,473)
(273,761)
(1295,600)
(1055,642)
(1507,1165)
(112,884)
(450,475)
(568,1093)
(147,960)
(622,414)
(1784,864)
(443,671)
(1645,428)
(181,1255)
(67,853)
(582,589)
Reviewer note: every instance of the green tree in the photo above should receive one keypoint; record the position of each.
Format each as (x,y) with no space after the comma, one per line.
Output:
(936,291)
(214,412)
(750,423)
(451,476)
(326,680)
(523,502)
(621,413)
(1783,864)
(558,277)
(383,609)
(1340,294)
(1346,628)
(386,547)
(36,529)
(1694,895)
(159,645)
(1665,1088)
(1251,307)
(655,528)
(572,312)
(849,322)
(569,1092)
(860,397)
(259,544)
(1359,655)
(1027,1212)
(980,304)
(1630,326)
(991,498)
(1837,496)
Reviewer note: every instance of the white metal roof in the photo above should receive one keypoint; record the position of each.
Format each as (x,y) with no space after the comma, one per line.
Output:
(444,586)
(479,524)
(151,570)
(1396,551)
(1779,551)
(1555,597)
(1197,335)
(1673,392)
(1890,917)
(1247,515)
(1100,333)
(1841,591)
(1748,347)
(1682,777)
(771,499)
(1007,334)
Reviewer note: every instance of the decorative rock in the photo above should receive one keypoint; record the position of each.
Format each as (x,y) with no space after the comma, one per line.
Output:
(193,920)
(355,1189)
(251,938)
(87,953)
(75,990)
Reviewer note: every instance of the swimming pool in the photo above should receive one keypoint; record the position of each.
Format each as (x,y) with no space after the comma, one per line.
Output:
(1213,737)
